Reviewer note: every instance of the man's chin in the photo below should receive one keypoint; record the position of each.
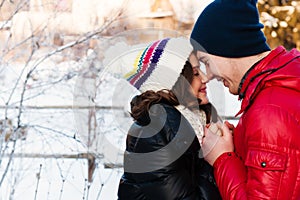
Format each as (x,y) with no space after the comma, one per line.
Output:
(233,92)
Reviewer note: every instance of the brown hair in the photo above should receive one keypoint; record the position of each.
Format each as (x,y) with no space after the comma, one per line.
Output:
(181,93)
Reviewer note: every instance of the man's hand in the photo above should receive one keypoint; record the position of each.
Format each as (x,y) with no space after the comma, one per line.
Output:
(214,145)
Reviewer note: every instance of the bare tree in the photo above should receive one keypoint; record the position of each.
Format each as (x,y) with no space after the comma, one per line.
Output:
(39,69)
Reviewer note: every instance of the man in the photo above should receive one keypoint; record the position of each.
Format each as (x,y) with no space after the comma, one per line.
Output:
(261,158)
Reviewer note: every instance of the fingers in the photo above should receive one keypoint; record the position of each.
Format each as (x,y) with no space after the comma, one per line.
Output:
(226,133)
(229,125)
(214,128)
(214,145)
(210,141)
(220,129)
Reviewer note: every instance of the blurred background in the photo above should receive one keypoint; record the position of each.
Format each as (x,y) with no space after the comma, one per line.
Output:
(63,119)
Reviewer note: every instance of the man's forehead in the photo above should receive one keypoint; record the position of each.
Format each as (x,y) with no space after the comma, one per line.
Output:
(202,55)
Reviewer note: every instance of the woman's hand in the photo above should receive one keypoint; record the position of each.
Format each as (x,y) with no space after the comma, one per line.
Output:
(214,145)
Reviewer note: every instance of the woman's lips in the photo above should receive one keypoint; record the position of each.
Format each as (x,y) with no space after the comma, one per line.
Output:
(203,90)
(225,83)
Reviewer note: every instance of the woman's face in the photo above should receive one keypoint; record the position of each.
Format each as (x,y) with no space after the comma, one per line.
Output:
(199,81)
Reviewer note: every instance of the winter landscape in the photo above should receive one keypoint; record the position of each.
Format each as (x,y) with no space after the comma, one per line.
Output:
(64,108)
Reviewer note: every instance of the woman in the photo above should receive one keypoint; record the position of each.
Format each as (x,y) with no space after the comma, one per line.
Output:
(163,158)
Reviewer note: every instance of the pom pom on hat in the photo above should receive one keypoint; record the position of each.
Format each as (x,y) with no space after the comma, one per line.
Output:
(158,65)
(229,28)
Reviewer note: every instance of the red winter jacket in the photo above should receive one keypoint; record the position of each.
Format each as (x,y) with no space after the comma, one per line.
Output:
(266,161)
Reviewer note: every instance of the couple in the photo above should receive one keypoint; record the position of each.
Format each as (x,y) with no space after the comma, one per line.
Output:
(259,158)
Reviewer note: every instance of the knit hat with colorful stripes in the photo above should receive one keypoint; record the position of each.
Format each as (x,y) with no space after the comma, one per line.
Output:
(158,65)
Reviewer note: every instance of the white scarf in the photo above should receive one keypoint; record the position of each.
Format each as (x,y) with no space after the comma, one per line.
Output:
(196,118)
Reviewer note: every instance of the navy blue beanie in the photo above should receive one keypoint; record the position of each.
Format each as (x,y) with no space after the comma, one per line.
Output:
(229,28)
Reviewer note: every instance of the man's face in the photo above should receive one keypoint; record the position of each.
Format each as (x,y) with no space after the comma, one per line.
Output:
(222,69)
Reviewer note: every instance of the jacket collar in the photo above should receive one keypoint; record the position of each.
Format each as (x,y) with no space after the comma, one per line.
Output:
(253,81)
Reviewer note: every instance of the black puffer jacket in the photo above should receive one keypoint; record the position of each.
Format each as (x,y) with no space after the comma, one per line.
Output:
(162,161)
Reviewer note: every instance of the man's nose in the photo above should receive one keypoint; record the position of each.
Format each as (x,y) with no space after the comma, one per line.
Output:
(204,78)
